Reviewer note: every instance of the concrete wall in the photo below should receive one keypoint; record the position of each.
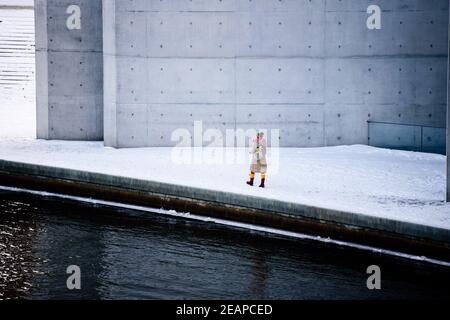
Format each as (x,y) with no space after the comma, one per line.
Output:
(69,71)
(309,68)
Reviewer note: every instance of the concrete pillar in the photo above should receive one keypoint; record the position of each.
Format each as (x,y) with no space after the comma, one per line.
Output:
(69,69)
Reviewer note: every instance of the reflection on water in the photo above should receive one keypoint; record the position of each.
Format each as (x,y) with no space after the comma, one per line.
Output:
(259,273)
(129,254)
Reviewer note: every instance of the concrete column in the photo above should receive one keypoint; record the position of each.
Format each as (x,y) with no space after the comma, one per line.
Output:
(69,70)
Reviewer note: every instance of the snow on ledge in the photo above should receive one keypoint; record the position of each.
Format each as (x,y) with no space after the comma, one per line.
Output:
(401,185)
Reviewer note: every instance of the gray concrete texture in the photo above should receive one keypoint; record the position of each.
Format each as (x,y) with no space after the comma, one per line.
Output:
(69,71)
(310,68)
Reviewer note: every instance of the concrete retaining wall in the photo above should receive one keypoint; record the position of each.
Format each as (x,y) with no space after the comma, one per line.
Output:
(364,229)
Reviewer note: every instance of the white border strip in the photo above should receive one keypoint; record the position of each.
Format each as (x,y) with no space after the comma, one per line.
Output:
(239,225)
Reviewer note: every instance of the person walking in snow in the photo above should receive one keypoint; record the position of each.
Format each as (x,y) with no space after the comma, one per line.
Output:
(259,161)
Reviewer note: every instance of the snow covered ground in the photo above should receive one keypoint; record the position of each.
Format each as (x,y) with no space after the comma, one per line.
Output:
(401,185)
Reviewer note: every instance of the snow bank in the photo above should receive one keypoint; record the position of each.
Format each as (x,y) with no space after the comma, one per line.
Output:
(401,185)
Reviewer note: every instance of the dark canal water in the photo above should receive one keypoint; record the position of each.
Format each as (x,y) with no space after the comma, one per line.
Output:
(126,254)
